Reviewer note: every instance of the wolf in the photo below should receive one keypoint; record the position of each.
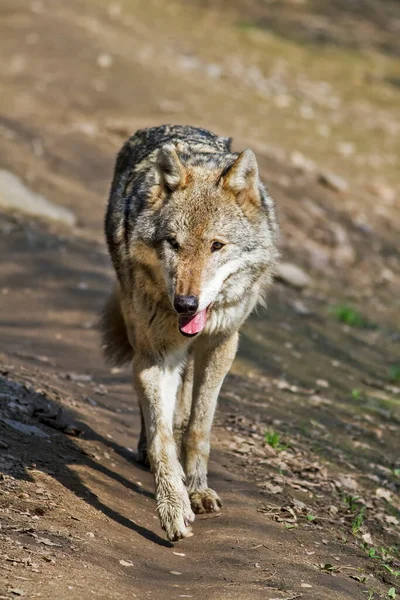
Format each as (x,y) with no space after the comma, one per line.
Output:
(192,235)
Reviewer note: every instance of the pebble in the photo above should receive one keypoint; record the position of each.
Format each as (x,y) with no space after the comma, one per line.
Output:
(335,182)
(293,275)
(105,60)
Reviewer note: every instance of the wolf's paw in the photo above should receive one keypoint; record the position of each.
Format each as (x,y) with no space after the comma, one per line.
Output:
(204,501)
(176,517)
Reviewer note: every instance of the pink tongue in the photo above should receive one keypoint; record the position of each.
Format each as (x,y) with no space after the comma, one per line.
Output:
(195,324)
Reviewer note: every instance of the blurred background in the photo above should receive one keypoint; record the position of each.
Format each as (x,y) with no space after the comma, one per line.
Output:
(313,86)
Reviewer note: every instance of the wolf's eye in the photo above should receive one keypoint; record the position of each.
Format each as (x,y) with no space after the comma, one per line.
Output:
(216,246)
(173,243)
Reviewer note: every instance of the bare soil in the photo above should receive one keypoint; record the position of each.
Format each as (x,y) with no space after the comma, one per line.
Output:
(311,511)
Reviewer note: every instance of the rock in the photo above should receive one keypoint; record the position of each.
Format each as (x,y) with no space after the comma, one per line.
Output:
(302,162)
(15,195)
(383,191)
(346,148)
(104,60)
(335,182)
(383,493)
(301,309)
(292,275)
(26,429)
(367,538)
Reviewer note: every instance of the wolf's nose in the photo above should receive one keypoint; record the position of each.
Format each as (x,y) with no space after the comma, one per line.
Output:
(186,305)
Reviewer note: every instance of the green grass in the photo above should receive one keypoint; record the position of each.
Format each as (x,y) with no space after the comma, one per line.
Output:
(392,571)
(273,439)
(352,502)
(348,315)
(394,373)
(358,521)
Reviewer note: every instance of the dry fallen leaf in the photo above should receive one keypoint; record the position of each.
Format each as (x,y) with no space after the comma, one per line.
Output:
(382,493)
(367,538)
(273,489)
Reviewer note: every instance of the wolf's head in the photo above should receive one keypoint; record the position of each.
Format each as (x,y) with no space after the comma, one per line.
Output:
(212,230)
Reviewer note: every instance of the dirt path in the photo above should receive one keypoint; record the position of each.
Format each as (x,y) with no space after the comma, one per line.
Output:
(313,512)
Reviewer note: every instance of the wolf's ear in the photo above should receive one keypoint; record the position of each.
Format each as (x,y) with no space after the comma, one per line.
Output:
(243,180)
(242,175)
(170,169)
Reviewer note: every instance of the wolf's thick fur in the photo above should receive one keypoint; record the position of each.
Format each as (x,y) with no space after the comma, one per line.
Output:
(187,219)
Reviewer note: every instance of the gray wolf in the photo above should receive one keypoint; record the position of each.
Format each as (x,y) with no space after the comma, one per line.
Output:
(192,235)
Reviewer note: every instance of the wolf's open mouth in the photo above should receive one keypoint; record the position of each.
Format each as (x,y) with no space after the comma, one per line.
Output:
(193,324)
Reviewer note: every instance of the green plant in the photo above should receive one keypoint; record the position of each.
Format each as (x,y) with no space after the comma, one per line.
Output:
(351,501)
(356,394)
(392,593)
(310,518)
(349,316)
(394,373)
(393,572)
(358,521)
(273,439)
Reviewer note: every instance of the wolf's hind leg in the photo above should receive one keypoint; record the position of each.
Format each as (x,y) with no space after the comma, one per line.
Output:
(211,365)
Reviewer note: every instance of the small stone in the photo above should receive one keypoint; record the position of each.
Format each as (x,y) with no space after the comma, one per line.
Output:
(114,10)
(345,148)
(175,573)
(347,482)
(382,493)
(214,71)
(322,383)
(293,275)
(126,563)
(324,130)
(383,191)
(104,60)
(302,162)
(273,489)
(390,520)
(301,309)
(335,182)
(367,538)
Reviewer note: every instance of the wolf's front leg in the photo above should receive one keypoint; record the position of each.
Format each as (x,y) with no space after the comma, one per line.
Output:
(212,362)
(157,384)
